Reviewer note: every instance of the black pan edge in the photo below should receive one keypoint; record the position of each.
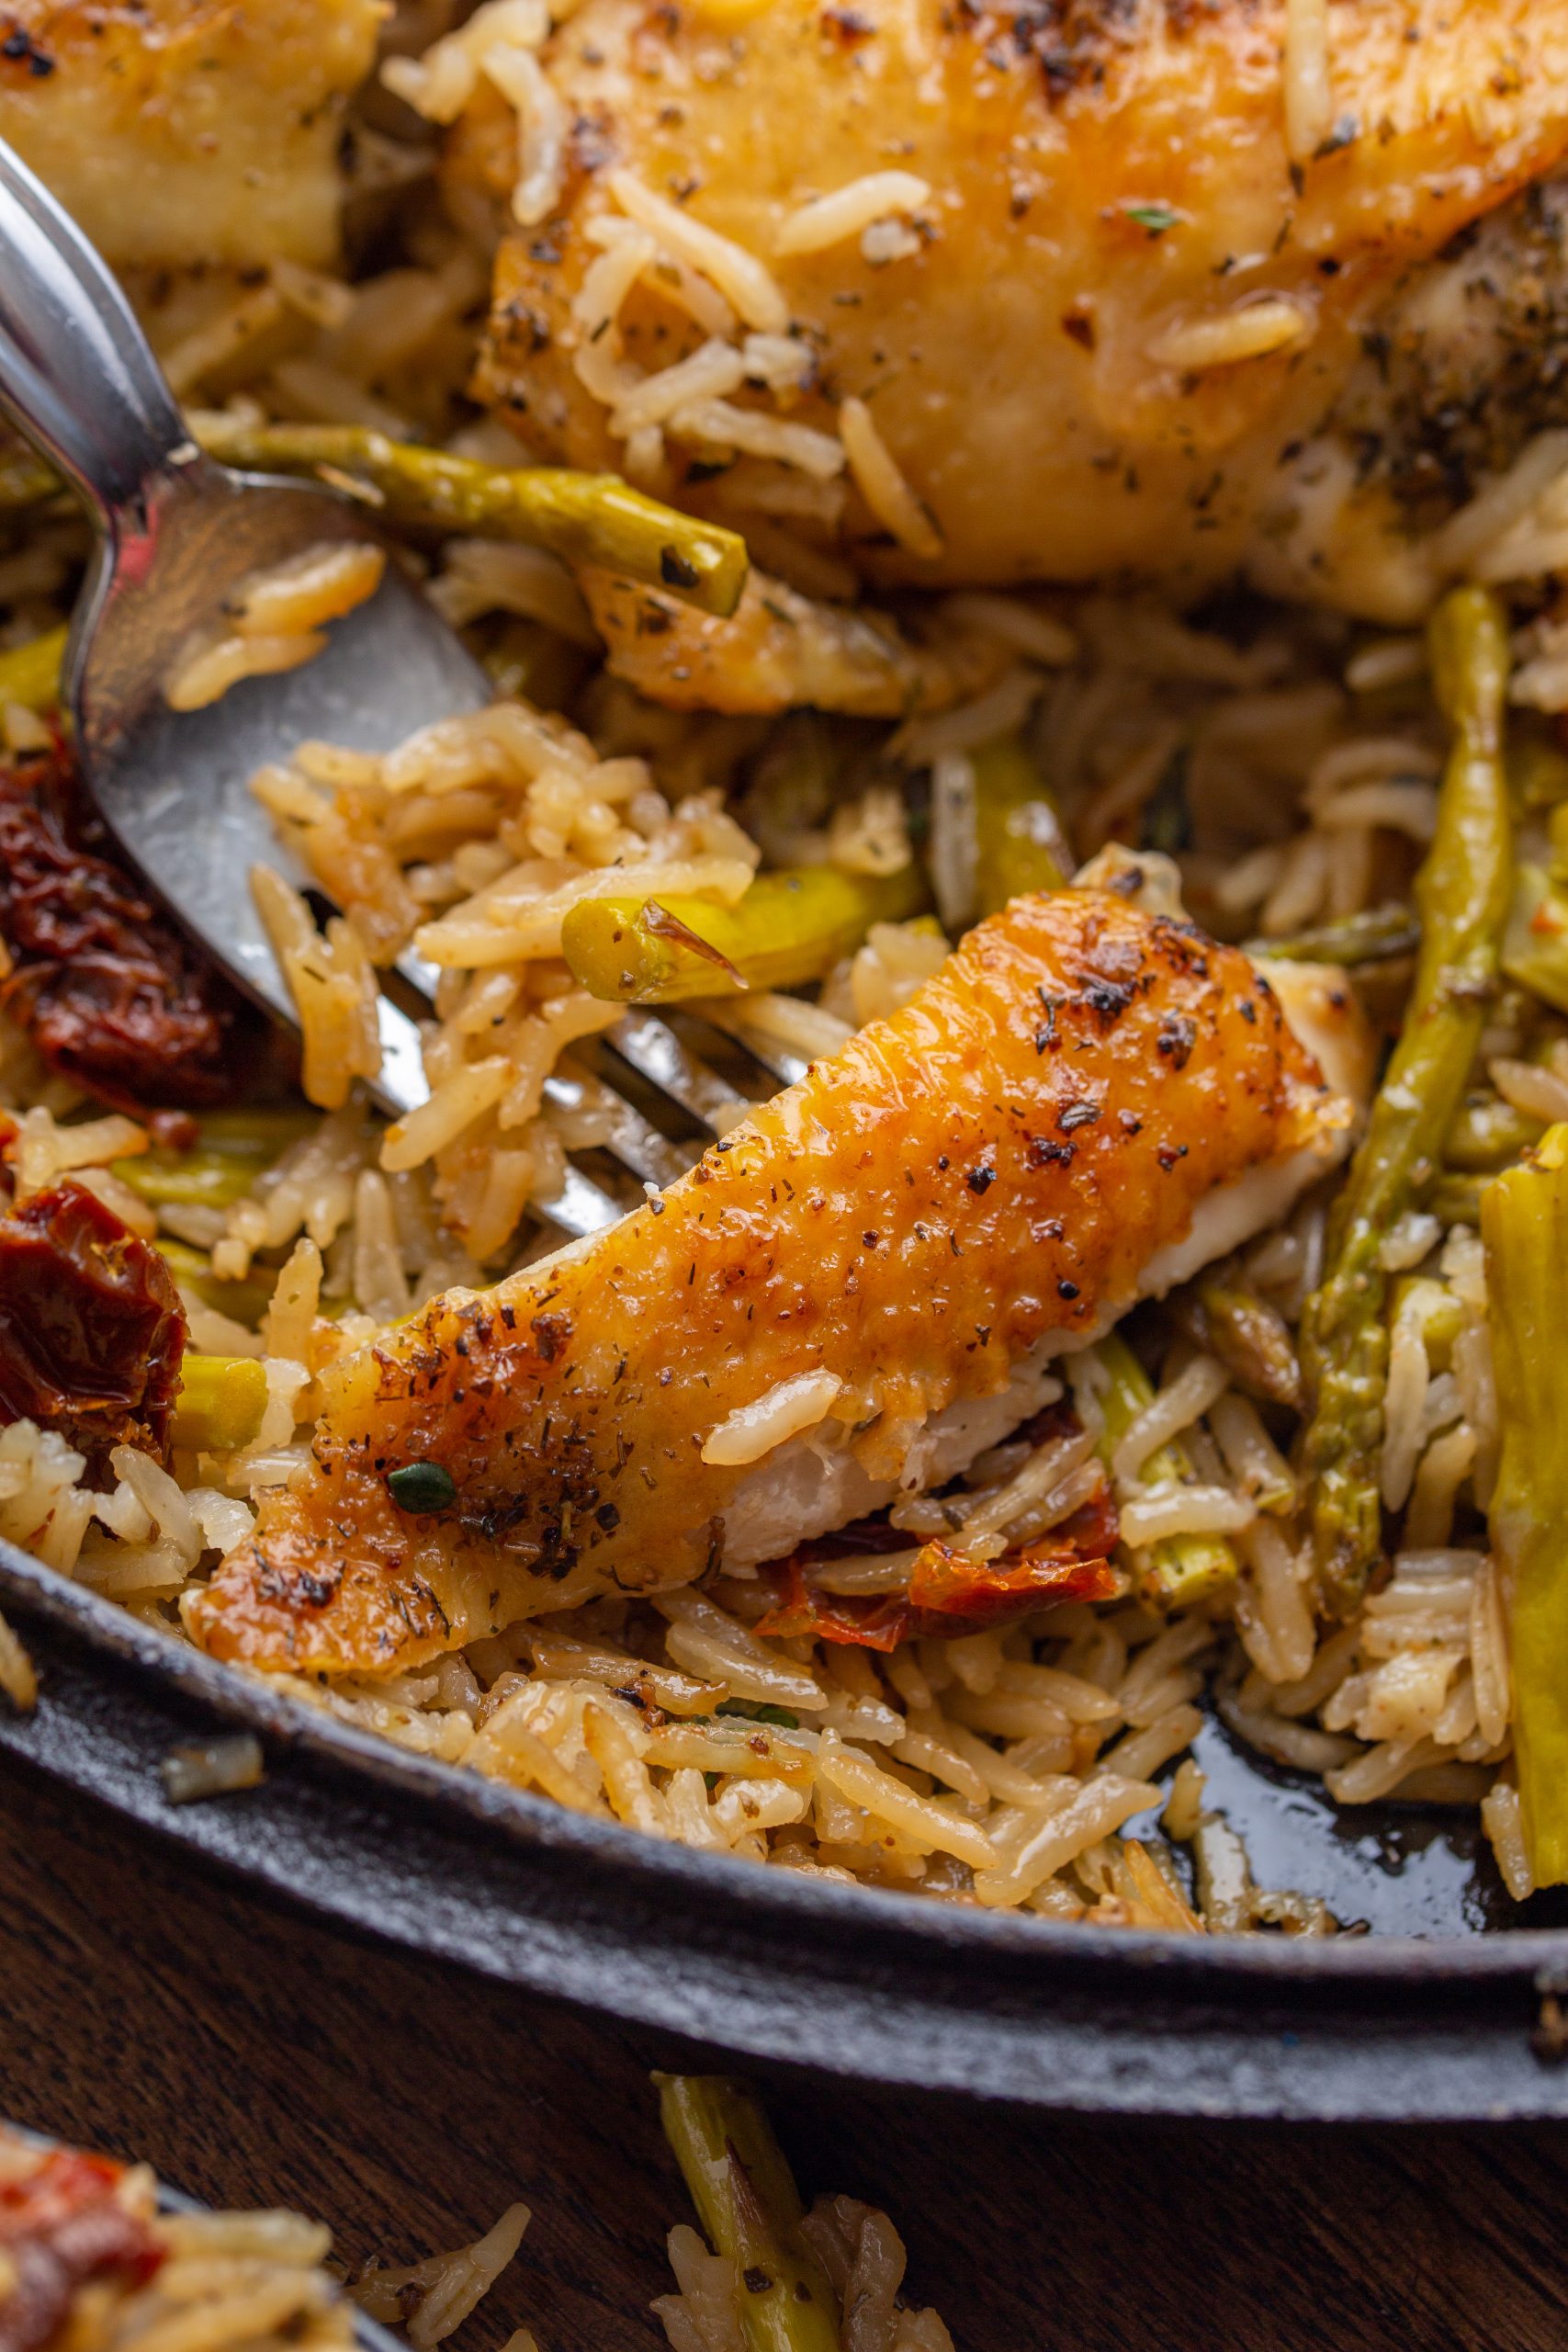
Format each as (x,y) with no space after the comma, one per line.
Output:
(766,1965)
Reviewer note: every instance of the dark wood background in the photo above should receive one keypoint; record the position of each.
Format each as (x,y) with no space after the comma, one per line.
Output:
(254,2055)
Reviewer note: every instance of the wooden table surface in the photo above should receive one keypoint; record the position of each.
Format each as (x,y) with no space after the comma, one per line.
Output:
(254,2055)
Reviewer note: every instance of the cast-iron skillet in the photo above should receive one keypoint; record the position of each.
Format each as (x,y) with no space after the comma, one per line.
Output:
(1433,2014)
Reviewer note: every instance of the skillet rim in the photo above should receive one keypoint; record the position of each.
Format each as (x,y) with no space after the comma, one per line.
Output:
(1375,1962)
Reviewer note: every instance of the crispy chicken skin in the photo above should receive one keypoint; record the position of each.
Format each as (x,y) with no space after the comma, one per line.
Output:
(1103,174)
(178,131)
(989,1176)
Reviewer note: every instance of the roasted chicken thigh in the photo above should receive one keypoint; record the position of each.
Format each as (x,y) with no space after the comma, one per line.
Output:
(1115,320)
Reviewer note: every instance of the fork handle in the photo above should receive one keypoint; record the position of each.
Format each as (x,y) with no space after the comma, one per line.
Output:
(78,374)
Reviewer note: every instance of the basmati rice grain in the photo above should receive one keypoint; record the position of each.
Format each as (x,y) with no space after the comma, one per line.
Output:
(1501,1819)
(829,220)
(927,1825)
(1489,1654)
(1309,104)
(881,485)
(1268,323)
(1092,1811)
(1174,1409)
(445,2287)
(739,277)
(1138,1754)
(19,1678)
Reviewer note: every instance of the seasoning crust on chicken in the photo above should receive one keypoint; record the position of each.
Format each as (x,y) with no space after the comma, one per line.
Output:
(1053,356)
(860,1287)
(183,132)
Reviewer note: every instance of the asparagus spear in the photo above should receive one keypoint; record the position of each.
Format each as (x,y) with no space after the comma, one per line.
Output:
(245,1301)
(587,518)
(1018,835)
(1227,1315)
(30,673)
(788,927)
(1456,1199)
(1181,1569)
(235,1147)
(1374,936)
(749,2204)
(220,1403)
(1487,1134)
(1524,1224)
(1463,895)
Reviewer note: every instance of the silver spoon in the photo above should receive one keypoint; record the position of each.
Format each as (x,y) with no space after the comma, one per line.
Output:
(176,535)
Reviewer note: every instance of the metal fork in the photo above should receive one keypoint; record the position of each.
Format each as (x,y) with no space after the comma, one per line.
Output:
(177,533)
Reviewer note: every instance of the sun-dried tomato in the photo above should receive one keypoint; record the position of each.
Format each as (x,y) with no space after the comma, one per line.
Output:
(873,1621)
(61,2222)
(91,1326)
(112,994)
(949,1591)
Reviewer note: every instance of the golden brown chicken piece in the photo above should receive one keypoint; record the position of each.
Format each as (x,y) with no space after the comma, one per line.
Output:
(861,1287)
(1090,346)
(179,131)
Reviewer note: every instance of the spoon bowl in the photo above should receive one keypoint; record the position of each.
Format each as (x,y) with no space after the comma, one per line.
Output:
(177,536)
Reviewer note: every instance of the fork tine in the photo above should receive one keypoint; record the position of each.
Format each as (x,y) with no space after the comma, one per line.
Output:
(634,1141)
(776,1061)
(581,1207)
(652,1048)
(647,1045)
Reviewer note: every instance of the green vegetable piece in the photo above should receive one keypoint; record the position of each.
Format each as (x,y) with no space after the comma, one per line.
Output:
(788,928)
(1487,1134)
(246,1301)
(1462,893)
(748,2203)
(1178,1568)
(1155,217)
(1538,774)
(422,1487)
(1019,841)
(1230,1319)
(586,518)
(1456,1200)
(1524,1224)
(1535,946)
(758,1711)
(1375,936)
(220,1403)
(233,1150)
(30,673)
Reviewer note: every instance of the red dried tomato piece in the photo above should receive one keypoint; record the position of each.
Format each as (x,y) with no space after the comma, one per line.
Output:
(61,2222)
(950,1592)
(91,1326)
(876,1621)
(111,993)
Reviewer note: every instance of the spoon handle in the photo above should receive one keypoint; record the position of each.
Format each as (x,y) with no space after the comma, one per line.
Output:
(78,374)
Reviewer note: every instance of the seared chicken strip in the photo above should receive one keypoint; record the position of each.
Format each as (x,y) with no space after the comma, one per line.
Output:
(1093,344)
(178,131)
(859,1289)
